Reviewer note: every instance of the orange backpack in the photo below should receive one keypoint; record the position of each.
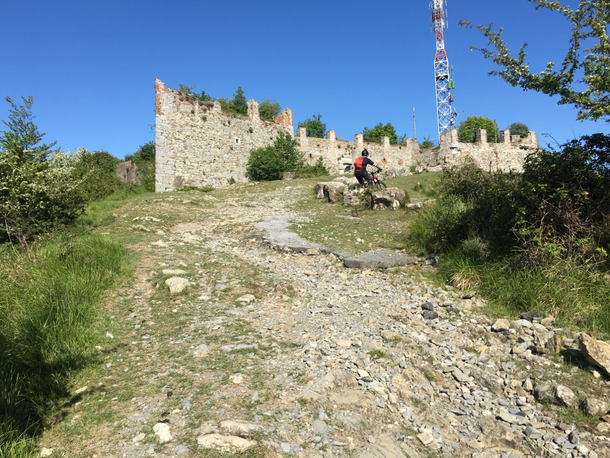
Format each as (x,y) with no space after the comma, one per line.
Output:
(358,163)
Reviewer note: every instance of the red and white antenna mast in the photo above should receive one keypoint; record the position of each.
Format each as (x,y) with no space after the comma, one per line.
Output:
(445,113)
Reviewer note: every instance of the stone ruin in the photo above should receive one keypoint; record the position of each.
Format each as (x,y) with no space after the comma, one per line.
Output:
(197,144)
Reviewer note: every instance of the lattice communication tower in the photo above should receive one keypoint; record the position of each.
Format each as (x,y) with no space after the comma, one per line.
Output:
(445,113)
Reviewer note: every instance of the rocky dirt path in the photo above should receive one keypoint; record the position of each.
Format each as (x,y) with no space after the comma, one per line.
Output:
(257,351)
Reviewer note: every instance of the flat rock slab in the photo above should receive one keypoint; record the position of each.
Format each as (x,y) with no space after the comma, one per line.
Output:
(378,259)
(278,236)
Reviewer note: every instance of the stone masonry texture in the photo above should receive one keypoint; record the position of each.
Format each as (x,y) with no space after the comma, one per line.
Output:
(197,144)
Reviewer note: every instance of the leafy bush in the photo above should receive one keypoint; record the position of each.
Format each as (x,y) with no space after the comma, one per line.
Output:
(427,143)
(34,197)
(144,159)
(374,135)
(271,162)
(310,171)
(566,200)
(96,171)
(518,128)
(315,127)
(64,161)
(468,128)
(269,109)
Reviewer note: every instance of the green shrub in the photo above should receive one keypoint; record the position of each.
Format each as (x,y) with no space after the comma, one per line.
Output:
(271,162)
(518,128)
(144,159)
(467,129)
(35,198)
(96,171)
(566,200)
(310,171)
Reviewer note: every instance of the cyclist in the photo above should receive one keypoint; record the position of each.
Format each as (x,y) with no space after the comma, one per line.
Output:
(360,168)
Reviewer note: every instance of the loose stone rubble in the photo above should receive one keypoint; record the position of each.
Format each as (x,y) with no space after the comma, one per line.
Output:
(364,363)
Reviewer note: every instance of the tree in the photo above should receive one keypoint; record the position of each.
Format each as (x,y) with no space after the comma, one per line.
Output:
(269,109)
(589,24)
(34,197)
(97,172)
(467,129)
(271,162)
(22,137)
(238,103)
(518,128)
(146,153)
(315,127)
(427,143)
(374,135)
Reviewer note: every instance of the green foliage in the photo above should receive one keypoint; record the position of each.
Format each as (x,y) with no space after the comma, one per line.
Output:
(467,129)
(63,162)
(269,109)
(315,127)
(46,330)
(566,200)
(238,103)
(271,162)
(34,197)
(22,137)
(589,25)
(539,239)
(146,153)
(374,135)
(96,171)
(518,128)
(144,158)
(310,171)
(427,143)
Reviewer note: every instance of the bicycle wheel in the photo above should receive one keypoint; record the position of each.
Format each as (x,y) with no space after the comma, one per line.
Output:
(380,185)
(354,186)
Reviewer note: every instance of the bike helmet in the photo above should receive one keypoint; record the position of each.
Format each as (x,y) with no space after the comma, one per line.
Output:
(365,152)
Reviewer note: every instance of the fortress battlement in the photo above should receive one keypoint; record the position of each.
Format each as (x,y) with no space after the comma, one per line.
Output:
(197,144)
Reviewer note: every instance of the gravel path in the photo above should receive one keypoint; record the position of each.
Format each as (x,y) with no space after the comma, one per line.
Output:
(265,351)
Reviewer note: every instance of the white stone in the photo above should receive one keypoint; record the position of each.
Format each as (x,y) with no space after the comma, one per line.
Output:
(224,443)
(81,390)
(246,298)
(201,351)
(46,451)
(238,426)
(176,284)
(173,272)
(162,432)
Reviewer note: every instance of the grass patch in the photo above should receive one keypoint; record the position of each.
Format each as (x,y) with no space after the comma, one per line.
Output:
(568,291)
(45,333)
(377,354)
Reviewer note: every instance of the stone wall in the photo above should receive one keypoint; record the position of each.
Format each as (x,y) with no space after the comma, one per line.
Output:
(197,144)
(338,155)
(508,154)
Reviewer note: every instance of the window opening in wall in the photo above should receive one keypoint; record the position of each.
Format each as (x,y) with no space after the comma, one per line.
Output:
(310,156)
(237,141)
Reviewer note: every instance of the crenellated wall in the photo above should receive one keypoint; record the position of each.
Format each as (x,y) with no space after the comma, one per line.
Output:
(197,144)
(508,154)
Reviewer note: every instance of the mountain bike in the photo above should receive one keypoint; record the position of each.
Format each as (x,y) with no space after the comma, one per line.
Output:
(374,183)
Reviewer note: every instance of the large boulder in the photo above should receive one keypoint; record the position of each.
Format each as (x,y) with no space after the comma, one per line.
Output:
(332,190)
(597,352)
(391,198)
(353,197)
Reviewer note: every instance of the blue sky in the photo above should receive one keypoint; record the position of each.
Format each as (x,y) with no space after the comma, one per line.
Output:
(90,65)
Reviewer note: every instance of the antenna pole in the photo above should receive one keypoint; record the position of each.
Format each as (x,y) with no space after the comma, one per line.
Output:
(445,113)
